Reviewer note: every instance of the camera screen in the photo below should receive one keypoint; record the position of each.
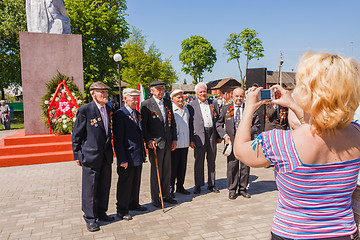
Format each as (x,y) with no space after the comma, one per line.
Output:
(265,94)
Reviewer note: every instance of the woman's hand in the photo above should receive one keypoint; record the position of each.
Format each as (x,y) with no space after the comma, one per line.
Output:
(252,101)
(282,96)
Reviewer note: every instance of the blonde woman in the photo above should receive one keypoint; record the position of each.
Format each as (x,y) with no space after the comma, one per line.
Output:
(317,164)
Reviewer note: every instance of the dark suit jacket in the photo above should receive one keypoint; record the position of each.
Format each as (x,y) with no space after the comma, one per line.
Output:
(153,123)
(128,139)
(196,121)
(89,141)
(228,120)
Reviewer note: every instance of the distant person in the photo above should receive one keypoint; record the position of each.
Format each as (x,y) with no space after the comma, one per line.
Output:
(316,164)
(180,154)
(5,114)
(12,113)
(204,113)
(238,173)
(276,117)
(91,144)
(130,153)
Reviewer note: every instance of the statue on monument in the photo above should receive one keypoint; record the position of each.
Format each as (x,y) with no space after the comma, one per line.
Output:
(47,16)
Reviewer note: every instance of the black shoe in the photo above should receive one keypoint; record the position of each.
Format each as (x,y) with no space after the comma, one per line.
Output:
(213,189)
(232,195)
(244,194)
(124,216)
(139,208)
(106,218)
(92,227)
(170,200)
(172,195)
(182,191)
(197,190)
(156,204)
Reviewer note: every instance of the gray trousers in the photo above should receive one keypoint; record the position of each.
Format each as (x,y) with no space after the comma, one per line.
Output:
(237,177)
(164,164)
(209,148)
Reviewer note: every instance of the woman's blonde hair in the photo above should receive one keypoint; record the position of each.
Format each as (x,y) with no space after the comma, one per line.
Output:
(328,88)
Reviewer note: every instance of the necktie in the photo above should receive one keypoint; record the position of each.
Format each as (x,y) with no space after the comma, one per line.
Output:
(134,117)
(104,118)
(237,116)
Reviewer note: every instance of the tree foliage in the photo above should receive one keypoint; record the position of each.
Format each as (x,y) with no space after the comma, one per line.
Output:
(141,66)
(197,56)
(103,28)
(245,42)
(13,20)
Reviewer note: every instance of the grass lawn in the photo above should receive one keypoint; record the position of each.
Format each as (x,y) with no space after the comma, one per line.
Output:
(13,126)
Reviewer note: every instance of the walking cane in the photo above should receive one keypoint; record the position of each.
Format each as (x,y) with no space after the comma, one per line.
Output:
(158,177)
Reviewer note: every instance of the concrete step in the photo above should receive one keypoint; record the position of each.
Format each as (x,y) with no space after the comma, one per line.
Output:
(35,148)
(35,158)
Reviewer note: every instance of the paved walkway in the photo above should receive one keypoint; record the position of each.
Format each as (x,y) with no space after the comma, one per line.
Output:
(43,202)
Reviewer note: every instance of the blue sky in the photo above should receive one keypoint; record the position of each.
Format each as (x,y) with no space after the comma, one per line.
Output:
(293,27)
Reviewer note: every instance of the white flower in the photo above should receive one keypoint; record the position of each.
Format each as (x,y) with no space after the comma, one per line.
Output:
(79,101)
(46,102)
(74,119)
(64,126)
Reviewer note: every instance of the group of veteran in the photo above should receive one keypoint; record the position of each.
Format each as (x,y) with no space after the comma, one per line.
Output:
(167,129)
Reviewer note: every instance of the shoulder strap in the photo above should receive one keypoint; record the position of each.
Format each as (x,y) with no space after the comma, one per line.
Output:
(356,125)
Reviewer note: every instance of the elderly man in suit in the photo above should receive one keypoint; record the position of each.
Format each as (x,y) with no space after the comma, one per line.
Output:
(91,144)
(230,117)
(179,155)
(159,130)
(130,153)
(203,136)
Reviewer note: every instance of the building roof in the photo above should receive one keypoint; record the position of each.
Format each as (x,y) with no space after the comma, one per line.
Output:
(234,83)
(288,78)
(212,84)
(184,87)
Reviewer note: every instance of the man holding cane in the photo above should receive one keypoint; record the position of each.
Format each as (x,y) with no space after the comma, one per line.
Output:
(159,130)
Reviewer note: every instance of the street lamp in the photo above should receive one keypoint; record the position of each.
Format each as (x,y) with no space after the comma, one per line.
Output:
(117,58)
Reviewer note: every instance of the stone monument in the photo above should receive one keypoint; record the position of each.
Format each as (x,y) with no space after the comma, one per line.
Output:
(47,16)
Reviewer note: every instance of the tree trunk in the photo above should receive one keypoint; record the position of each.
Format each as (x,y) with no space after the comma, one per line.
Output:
(3,94)
(241,77)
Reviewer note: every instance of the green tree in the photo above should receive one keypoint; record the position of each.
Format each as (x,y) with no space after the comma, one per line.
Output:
(141,66)
(245,42)
(197,56)
(103,28)
(13,20)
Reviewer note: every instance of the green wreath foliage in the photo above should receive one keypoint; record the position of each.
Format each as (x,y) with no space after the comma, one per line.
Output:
(61,123)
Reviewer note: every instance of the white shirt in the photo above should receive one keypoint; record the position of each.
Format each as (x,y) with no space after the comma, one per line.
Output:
(241,110)
(206,113)
(182,126)
(160,103)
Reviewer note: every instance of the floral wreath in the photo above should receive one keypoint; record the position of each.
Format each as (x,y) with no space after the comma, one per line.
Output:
(60,104)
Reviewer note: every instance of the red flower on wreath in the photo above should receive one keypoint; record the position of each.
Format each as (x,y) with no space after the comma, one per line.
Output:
(63,107)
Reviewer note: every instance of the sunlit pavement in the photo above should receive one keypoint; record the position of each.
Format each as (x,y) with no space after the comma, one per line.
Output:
(44,202)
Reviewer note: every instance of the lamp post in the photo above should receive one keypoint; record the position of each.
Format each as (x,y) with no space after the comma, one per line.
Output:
(117,58)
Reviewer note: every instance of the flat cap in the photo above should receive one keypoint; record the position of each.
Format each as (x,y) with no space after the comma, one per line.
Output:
(177,91)
(131,92)
(99,86)
(157,83)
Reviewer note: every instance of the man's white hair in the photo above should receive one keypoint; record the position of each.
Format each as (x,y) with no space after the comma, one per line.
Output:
(200,84)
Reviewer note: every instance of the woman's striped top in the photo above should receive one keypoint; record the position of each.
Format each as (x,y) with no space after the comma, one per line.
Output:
(314,200)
